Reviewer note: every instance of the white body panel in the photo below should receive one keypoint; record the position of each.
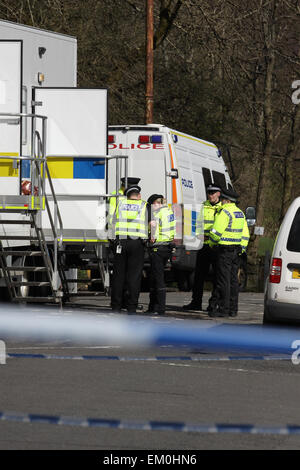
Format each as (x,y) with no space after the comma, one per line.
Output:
(10,102)
(288,290)
(76,139)
(58,64)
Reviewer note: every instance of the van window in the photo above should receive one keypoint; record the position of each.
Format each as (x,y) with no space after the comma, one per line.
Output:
(207,176)
(219,179)
(293,243)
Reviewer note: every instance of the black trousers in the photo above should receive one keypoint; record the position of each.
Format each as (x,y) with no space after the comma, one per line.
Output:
(227,279)
(158,259)
(127,268)
(206,257)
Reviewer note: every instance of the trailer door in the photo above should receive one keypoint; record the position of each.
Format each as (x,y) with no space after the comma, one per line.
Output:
(76,141)
(10,102)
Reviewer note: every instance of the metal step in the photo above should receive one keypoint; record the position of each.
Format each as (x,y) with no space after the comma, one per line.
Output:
(30,283)
(83,280)
(20,253)
(35,299)
(17,237)
(16,222)
(27,268)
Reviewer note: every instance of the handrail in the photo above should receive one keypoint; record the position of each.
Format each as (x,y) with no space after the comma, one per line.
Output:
(57,211)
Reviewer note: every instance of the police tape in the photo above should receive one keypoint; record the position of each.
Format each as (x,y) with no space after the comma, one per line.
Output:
(145,359)
(139,331)
(147,425)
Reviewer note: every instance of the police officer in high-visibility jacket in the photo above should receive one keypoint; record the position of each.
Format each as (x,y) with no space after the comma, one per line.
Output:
(113,201)
(230,233)
(162,233)
(131,231)
(206,256)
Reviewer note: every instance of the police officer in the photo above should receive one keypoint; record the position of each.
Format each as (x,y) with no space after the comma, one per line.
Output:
(131,232)
(206,256)
(113,201)
(229,233)
(162,233)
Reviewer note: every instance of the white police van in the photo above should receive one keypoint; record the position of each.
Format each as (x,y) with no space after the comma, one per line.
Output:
(282,290)
(174,164)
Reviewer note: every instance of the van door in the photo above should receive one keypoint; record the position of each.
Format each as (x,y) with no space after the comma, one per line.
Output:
(76,141)
(10,102)
(289,249)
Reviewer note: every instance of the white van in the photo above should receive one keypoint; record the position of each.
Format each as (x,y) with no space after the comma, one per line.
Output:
(174,164)
(282,292)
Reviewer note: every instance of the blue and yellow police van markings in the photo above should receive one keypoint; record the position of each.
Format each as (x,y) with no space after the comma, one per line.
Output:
(71,168)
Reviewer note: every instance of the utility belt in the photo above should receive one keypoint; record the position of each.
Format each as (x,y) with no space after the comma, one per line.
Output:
(229,248)
(121,240)
(165,245)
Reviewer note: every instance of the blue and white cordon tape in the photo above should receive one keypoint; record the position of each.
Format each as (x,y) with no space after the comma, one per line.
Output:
(90,357)
(23,325)
(148,425)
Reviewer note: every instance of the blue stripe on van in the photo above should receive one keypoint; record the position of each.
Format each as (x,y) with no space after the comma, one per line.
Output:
(25,165)
(194,221)
(84,168)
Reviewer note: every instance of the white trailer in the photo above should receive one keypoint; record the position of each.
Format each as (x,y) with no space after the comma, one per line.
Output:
(53,145)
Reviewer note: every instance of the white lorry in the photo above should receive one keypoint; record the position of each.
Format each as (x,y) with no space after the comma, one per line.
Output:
(58,166)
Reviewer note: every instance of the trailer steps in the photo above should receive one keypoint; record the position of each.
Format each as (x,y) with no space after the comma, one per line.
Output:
(30,274)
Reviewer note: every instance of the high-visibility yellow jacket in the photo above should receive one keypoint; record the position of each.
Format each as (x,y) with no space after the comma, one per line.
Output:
(165,225)
(229,227)
(209,213)
(131,219)
(111,212)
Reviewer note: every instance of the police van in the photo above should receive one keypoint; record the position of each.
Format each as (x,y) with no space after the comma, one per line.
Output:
(174,164)
(282,290)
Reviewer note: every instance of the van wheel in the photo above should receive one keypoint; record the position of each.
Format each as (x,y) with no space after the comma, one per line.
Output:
(267,320)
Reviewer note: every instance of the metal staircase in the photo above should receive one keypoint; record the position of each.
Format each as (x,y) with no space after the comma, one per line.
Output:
(31,269)
(30,266)
(33,266)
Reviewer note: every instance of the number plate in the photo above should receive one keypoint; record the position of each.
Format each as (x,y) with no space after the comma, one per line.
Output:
(296,274)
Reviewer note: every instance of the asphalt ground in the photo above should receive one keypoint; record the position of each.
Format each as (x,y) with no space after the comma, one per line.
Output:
(146,385)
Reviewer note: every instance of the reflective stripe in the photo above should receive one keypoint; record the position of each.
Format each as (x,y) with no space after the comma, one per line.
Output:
(228,228)
(235,241)
(131,219)
(165,229)
(216,233)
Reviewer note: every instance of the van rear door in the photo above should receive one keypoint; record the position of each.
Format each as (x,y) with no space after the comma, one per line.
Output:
(287,249)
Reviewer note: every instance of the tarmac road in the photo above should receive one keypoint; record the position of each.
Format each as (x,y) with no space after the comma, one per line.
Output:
(141,386)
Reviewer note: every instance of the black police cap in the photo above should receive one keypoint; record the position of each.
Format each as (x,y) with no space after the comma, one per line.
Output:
(131,180)
(153,198)
(230,194)
(213,188)
(132,189)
